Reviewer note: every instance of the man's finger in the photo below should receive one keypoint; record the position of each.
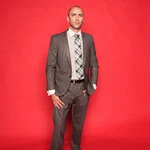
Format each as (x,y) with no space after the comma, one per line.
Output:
(57,102)
(56,105)
(61,102)
(61,105)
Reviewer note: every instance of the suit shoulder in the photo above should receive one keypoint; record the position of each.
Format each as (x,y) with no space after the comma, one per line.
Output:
(87,35)
(58,35)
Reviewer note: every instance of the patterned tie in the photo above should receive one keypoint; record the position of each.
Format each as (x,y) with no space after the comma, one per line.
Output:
(78,57)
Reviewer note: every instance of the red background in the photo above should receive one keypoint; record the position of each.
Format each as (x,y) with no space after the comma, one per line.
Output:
(118,116)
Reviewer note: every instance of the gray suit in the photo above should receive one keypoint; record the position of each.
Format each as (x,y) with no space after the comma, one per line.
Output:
(58,73)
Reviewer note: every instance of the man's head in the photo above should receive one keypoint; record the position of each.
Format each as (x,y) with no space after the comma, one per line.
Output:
(75,17)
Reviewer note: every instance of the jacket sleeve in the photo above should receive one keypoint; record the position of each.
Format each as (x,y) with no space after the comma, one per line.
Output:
(93,68)
(51,65)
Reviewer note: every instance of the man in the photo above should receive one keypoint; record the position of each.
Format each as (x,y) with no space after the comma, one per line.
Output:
(71,56)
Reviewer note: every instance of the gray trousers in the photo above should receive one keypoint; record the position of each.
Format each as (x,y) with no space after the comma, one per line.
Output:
(79,102)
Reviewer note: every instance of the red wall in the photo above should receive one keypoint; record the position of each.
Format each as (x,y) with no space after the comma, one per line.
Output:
(120,107)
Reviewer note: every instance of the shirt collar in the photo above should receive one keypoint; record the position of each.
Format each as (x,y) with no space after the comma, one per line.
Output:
(71,33)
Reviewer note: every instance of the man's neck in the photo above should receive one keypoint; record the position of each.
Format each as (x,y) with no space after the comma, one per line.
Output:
(75,30)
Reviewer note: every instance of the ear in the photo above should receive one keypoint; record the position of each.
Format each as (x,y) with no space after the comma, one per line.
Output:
(68,18)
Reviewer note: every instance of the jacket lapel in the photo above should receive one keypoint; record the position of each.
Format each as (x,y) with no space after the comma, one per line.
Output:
(66,47)
(84,48)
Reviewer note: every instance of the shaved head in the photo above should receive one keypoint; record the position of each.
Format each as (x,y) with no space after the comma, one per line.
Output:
(75,6)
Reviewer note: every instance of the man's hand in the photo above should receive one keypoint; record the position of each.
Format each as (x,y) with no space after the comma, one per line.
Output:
(56,101)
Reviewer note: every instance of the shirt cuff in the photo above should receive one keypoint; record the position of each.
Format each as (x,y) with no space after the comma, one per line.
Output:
(50,92)
(94,86)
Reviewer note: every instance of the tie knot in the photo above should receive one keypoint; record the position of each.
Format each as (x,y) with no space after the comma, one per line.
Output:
(77,36)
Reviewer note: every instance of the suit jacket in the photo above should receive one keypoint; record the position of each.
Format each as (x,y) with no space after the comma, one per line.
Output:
(58,67)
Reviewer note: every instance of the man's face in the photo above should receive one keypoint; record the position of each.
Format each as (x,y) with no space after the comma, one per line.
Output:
(75,18)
